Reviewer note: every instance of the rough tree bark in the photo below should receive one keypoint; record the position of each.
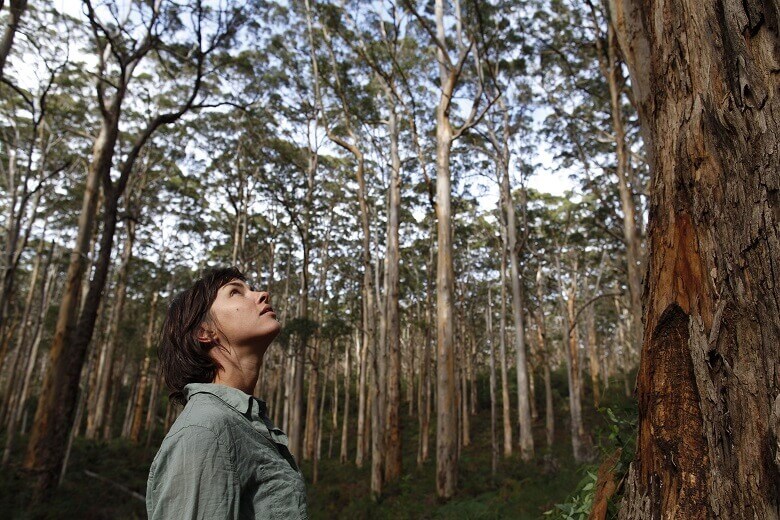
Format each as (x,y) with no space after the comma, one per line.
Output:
(708,380)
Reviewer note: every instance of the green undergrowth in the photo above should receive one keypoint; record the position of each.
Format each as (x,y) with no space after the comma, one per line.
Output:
(80,495)
(518,491)
(617,431)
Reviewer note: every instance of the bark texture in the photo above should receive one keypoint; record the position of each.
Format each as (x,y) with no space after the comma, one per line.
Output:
(709,370)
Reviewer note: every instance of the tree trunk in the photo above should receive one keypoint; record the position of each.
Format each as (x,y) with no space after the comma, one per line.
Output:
(523,400)
(318,432)
(610,69)
(138,416)
(546,355)
(22,352)
(16,8)
(378,392)
(446,411)
(411,387)
(593,356)
(393,335)
(362,391)
(106,369)
(708,379)
(313,423)
(493,436)
(296,401)
(16,410)
(334,412)
(345,419)
(56,404)
(472,370)
(464,400)
(505,404)
(151,414)
(549,423)
(579,439)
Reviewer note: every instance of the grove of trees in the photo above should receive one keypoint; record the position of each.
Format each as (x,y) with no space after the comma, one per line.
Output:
(448,201)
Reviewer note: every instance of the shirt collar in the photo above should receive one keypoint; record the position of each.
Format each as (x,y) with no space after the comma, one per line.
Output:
(232,396)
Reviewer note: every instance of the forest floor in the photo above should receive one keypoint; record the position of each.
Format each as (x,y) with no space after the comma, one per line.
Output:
(518,491)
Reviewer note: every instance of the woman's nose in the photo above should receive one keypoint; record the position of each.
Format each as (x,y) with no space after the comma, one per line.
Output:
(263,296)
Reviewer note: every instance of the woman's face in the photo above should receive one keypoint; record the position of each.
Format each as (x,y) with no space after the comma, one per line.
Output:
(244,317)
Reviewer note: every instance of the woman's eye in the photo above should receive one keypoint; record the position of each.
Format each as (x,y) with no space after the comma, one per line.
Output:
(234,291)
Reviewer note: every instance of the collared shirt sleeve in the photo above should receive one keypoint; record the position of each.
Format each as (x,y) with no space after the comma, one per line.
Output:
(192,477)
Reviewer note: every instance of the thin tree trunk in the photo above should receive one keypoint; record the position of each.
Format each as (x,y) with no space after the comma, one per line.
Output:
(114,388)
(22,351)
(106,369)
(72,434)
(549,424)
(138,415)
(472,368)
(378,395)
(296,412)
(593,356)
(362,389)
(318,434)
(16,411)
(523,400)
(579,440)
(313,424)
(129,409)
(334,412)
(345,418)
(532,391)
(411,387)
(505,404)
(425,381)
(493,437)
(546,356)
(464,406)
(151,414)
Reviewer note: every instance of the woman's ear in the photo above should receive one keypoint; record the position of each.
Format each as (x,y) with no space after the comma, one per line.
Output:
(206,335)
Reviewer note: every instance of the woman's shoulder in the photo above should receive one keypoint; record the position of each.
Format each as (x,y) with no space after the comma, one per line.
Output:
(205,412)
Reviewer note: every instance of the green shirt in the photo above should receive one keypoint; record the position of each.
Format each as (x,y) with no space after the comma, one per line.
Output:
(223,458)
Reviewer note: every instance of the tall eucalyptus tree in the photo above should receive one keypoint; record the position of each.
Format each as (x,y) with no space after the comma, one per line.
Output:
(452,54)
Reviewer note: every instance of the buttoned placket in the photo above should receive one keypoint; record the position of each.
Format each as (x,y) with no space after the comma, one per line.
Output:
(258,416)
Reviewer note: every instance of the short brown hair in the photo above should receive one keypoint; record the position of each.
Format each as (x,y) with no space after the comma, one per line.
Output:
(183,358)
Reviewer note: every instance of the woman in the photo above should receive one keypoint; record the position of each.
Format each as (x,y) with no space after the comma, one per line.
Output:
(223,457)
